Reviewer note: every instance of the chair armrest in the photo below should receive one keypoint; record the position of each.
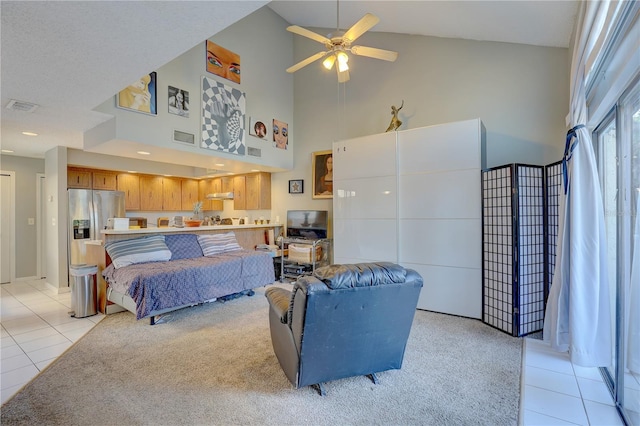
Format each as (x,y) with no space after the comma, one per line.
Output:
(279,299)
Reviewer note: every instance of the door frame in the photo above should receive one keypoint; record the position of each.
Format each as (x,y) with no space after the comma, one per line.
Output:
(12,223)
(41,203)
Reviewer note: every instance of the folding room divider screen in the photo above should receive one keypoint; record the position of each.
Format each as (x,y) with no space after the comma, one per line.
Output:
(514,255)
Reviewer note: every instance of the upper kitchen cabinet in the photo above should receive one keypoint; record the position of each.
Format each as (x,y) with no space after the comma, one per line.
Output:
(172,194)
(227,184)
(190,193)
(239,193)
(151,192)
(104,180)
(210,186)
(258,191)
(78,178)
(130,185)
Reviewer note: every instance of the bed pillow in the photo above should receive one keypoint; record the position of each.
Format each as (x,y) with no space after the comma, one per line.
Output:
(138,250)
(213,244)
(183,246)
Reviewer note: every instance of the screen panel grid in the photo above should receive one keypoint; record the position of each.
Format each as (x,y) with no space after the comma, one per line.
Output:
(513,248)
(554,188)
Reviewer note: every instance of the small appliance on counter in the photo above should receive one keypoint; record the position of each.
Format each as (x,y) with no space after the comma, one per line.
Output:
(140,222)
(163,222)
(178,222)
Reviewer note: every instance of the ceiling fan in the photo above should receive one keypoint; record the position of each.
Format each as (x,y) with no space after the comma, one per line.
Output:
(337,45)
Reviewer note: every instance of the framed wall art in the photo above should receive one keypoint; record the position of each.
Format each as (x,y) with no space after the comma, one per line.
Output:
(223,62)
(280,134)
(140,96)
(178,101)
(223,116)
(258,128)
(322,174)
(296,186)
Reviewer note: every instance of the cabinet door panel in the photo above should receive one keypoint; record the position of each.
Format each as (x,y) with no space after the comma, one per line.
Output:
(210,186)
(151,193)
(190,194)
(104,180)
(78,178)
(130,185)
(258,191)
(239,193)
(373,155)
(171,194)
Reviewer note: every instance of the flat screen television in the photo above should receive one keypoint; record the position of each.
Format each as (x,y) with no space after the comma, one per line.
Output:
(309,224)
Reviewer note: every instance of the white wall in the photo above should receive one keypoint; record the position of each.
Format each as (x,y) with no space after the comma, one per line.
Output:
(26,170)
(264,46)
(520,92)
(55,169)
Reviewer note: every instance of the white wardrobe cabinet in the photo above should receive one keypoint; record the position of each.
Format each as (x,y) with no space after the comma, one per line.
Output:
(413,197)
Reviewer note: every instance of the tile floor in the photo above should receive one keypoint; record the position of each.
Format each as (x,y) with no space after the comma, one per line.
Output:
(36,328)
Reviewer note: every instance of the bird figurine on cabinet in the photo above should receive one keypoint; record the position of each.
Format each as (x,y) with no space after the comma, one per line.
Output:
(395,122)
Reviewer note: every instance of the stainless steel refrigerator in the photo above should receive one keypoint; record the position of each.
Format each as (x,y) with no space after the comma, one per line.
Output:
(88,214)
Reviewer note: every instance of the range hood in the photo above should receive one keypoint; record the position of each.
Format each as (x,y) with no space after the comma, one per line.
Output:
(220,196)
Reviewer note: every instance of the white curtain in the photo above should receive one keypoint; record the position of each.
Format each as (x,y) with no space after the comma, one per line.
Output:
(578,317)
(633,307)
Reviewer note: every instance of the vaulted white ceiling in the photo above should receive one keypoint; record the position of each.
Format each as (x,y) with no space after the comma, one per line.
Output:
(69,57)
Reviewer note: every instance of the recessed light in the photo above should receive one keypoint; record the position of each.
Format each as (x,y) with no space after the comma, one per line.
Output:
(29,134)
(144,153)
(220,165)
(131,171)
(255,170)
(8,151)
(167,175)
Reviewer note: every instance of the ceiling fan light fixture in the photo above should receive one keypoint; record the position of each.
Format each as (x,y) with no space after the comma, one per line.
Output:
(343,58)
(328,63)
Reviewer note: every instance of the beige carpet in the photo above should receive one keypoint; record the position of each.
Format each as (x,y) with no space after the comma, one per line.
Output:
(214,364)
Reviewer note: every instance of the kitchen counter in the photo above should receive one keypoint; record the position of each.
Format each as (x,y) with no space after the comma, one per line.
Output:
(188,229)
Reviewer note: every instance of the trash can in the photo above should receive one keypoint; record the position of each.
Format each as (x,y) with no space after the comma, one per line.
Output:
(83,290)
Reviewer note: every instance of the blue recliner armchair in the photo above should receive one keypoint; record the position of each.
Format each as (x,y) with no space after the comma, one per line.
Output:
(343,321)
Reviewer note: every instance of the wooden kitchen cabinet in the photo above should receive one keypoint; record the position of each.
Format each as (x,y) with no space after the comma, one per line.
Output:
(172,194)
(190,194)
(239,193)
(209,186)
(151,193)
(78,178)
(130,185)
(258,191)
(226,184)
(104,180)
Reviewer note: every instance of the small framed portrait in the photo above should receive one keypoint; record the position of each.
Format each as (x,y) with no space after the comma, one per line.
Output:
(322,174)
(223,62)
(280,134)
(296,186)
(178,102)
(258,128)
(140,96)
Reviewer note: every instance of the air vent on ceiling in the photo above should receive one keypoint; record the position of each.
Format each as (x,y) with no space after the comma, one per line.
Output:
(255,152)
(21,106)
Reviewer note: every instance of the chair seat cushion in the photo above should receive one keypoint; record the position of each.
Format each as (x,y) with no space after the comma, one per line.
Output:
(361,275)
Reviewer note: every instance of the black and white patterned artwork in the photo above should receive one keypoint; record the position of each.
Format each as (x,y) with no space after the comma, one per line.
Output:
(223,115)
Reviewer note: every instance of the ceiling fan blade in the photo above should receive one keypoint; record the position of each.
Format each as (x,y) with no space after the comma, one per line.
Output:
(309,34)
(372,52)
(362,26)
(343,76)
(307,61)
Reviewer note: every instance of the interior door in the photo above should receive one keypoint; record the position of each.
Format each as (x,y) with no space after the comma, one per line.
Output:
(6,226)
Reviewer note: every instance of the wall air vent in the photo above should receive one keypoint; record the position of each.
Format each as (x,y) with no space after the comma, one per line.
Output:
(184,137)
(22,106)
(255,152)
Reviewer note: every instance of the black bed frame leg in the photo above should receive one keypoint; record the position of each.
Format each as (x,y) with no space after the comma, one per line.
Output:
(374,378)
(152,320)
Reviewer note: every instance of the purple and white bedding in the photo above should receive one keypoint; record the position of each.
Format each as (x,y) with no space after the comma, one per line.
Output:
(156,286)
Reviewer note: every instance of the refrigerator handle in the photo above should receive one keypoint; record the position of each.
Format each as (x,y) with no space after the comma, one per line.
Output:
(94,218)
